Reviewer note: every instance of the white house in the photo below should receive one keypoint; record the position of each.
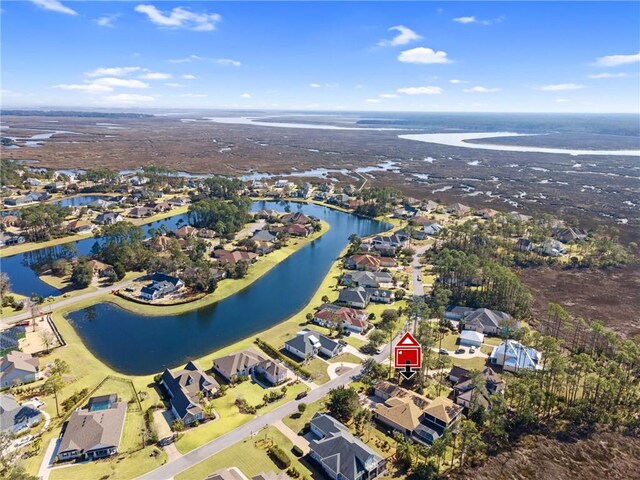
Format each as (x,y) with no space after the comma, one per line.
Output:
(513,356)
(471,338)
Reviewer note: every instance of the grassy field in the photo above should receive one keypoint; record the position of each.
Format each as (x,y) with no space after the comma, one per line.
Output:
(318,369)
(250,456)
(295,421)
(476,363)
(346,358)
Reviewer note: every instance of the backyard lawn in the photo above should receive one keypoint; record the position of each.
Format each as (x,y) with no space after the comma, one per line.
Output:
(346,358)
(249,455)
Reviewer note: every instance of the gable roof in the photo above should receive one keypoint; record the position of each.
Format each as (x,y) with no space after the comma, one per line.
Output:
(340,451)
(400,411)
(18,361)
(486,317)
(354,295)
(184,385)
(11,412)
(443,409)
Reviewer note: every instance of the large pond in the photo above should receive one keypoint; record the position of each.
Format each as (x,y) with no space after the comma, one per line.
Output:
(138,345)
(80,200)
(22,268)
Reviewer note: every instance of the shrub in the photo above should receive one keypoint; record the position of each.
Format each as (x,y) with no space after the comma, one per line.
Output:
(280,456)
(297,451)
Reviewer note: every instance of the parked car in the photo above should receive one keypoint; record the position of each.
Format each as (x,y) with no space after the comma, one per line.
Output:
(301,395)
(472,350)
(443,351)
(460,350)
(37,402)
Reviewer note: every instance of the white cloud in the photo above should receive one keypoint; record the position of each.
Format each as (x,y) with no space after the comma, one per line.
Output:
(54,6)
(616,60)
(465,20)
(107,20)
(180,17)
(404,36)
(423,55)
(188,59)
(472,19)
(480,89)
(559,87)
(112,71)
(120,82)
(315,85)
(608,75)
(175,85)
(420,90)
(388,95)
(455,81)
(228,62)
(562,100)
(245,95)
(372,100)
(189,77)
(194,95)
(85,87)
(156,76)
(129,98)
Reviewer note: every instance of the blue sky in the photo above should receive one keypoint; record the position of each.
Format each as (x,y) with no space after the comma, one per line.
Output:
(450,56)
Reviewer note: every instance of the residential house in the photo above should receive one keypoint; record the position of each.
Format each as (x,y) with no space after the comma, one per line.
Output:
(487,213)
(524,245)
(308,343)
(17,201)
(94,431)
(179,201)
(553,248)
(18,368)
(271,476)
(571,234)
(413,415)
(429,206)
(483,320)
(182,388)
(458,209)
(238,364)
(294,229)
(108,218)
(274,371)
(341,455)
(358,297)
(513,356)
(161,285)
(367,279)
(10,238)
(15,417)
(206,233)
(305,190)
(380,295)
(80,226)
(100,204)
(458,374)
(227,257)
(100,269)
(186,231)
(232,473)
(7,221)
(431,228)
(140,212)
(297,217)
(264,236)
(394,241)
(10,338)
(371,263)
(333,315)
(471,338)
(519,217)
(466,392)
(267,214)
(158,207)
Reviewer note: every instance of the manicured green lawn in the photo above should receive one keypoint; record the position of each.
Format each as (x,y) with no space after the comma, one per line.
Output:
(249,455)
(318,369)
(449,341)
(346,358)
(230,416)
(495,341)
(295,422)
(123,467)
(477,363)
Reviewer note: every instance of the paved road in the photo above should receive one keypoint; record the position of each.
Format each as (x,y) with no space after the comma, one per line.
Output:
(66,301)
(418,288)
(173,468)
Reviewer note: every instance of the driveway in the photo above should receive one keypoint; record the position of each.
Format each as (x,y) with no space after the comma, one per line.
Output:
(296,439)
(250,228)
(47,460)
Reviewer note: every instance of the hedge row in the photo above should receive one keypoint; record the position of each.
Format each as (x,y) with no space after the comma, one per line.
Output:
(274,352)
(280,456)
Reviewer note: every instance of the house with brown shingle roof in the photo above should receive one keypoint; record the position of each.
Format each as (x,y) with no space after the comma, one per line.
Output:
(413,415)
(225,256)
(186,232)
(238,363)
(80,226)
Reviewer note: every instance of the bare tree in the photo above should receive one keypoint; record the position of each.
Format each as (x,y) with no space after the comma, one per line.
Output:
(48,339)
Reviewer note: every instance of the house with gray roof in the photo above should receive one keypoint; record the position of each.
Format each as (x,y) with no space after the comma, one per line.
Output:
(264,236)
(15,417)
(357,297)
(483,320)
(274,371)
(18,368)
(308,343)
(94,431)
(341,455)
(238,364)
(182,388)
(367,279)
(10,338)
(380,295)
